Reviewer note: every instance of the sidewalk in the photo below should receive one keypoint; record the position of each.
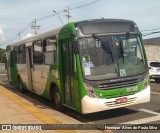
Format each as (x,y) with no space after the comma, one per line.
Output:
(14,109)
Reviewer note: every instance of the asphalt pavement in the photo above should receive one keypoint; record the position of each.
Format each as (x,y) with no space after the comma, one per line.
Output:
(147,113)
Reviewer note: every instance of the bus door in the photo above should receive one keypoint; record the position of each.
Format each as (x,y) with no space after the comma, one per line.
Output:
(67,71)
(40,70)
(29,63)
(9,56)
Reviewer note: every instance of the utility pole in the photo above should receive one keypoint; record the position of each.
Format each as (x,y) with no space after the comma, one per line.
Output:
(35,27)
(68,14)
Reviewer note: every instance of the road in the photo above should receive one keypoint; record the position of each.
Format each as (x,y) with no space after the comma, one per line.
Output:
(148,113)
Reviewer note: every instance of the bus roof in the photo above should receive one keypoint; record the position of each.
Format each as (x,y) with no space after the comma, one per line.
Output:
(37,37)
(56,31)
(106,20)
(106,26)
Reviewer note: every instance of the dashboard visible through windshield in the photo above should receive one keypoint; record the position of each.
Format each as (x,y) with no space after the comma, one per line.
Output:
(111,56)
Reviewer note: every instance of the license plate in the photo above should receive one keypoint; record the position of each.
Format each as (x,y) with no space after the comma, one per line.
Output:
(121,100)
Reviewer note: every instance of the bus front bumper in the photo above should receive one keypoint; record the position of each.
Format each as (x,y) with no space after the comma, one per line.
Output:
(91,105)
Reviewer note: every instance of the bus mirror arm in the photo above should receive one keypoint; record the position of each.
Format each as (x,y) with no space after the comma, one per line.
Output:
(73,34)
(75,75)
(74,67)
(75,49)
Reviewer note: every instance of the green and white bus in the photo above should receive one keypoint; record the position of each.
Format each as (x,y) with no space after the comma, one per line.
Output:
(89,66)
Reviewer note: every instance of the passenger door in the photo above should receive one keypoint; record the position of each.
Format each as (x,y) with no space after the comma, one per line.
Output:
(29,63)
(39,71)
(67,70)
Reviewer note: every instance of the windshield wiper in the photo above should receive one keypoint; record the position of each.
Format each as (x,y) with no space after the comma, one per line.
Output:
(103,45)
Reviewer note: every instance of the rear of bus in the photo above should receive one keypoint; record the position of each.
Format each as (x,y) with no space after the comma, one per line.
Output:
(113,65)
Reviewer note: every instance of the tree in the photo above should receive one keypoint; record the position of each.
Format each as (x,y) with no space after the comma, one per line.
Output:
(2,56)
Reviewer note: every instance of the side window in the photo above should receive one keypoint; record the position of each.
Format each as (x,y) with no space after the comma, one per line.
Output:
(152,64)
(50,50)
(38,52)
(11,59)
(16,55)
(22,54)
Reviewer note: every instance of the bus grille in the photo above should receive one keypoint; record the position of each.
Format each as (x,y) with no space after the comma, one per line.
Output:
(119,84)
(113,103)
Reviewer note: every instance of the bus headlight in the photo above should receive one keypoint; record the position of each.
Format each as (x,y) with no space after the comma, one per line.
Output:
(145,82)
(90,90)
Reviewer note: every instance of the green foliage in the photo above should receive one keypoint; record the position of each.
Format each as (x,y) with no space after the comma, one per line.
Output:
(2,55)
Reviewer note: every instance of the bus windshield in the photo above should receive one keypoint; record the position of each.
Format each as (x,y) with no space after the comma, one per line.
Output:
(111,56)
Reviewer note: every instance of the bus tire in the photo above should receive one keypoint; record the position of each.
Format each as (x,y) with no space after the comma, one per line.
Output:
(20,87)
(57,99)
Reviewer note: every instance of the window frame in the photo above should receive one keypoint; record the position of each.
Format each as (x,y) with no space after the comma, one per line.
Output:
(52,51)
(41,52)
(16,55)
(22,52)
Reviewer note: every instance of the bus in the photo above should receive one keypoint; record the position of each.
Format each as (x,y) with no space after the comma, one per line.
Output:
(88,66)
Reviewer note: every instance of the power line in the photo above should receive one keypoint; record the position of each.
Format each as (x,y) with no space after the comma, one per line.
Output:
(7,42)
(17,35)
(151,29)
(142,12)
(147,34)
(77,5)
(26,27)
(34,26)
(147,15)
(139,15)
(85,4)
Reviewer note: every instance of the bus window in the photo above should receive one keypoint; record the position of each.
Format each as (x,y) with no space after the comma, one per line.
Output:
(50,51)
(22,54)
(16,55)
(10,59)
(38,53)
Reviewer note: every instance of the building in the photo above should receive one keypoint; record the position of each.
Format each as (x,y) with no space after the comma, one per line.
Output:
(152,47)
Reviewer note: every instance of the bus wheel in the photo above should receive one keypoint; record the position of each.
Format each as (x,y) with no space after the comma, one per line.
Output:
(57,100)
(157,80)
(20,88)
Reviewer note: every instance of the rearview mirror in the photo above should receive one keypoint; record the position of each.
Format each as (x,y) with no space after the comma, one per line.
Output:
(127,35)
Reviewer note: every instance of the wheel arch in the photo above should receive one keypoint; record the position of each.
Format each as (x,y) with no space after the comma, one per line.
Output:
(52,87)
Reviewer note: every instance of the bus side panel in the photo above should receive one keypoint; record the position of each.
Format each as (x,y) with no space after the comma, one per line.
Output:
(14,73)
(22,69)
(40,78)
(53,77)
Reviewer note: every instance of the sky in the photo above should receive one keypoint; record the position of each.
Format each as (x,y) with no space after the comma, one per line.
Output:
(17,15)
